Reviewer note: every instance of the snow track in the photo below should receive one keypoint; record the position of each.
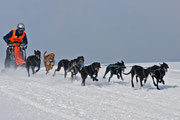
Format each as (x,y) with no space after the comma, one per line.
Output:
(43,97)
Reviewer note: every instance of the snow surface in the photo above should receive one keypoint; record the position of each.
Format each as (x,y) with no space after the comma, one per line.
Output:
(44,97)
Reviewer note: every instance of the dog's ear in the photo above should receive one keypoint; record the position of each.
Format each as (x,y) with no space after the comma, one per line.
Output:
(93,64)
(122,61)
(99,64)
(35,51)
(38,52)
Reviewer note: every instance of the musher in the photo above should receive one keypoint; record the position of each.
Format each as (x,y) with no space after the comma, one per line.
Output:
(16,38)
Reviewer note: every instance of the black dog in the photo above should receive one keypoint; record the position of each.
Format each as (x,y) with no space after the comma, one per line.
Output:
(62,63)
(33,61)
(139,72)
(75,65)
(91,70)
(159,73)
(70,66)
(116,69)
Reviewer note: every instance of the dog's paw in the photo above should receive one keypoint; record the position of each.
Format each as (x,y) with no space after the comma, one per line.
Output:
(163,82)
(82,84)
(158,88)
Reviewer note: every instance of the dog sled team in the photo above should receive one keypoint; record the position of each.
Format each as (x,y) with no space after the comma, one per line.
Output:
(16,56)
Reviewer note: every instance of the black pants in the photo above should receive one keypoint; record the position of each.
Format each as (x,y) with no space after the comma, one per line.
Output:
(7,59)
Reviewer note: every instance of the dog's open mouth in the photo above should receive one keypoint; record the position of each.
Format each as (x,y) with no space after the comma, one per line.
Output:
(122,69)
(166,70)
(50,60)
(97,69)
(152,74)
(82,63)
(38,56)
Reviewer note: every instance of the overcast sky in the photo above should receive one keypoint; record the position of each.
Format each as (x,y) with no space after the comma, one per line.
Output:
(101,30)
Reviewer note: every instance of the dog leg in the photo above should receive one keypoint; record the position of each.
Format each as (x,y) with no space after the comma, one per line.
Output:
(145,79)
(158,87)
(32,68)
(141,79)
(110,77)
(154,81)
(157,84)
(163,82)
(107,70)
(95,78)
(54,73)
(27,67)
(47,72)
(72,75)
(65,74)
(118,76)
(132,76)
(83,76)
(83,82)
(136,78)
(121,76)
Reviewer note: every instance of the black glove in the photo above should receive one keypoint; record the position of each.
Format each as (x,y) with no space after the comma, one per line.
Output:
(9,42)
(23,46)
(22,43)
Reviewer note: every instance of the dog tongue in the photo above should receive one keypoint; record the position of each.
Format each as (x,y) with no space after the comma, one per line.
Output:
(97,69)
(152,74)
(38,56)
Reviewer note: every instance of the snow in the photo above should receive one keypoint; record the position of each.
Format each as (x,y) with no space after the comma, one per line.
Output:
(44,97)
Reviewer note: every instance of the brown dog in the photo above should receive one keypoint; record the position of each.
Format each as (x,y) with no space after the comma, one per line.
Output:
(48,61)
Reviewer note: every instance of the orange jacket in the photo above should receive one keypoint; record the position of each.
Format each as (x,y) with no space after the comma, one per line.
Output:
(14,38)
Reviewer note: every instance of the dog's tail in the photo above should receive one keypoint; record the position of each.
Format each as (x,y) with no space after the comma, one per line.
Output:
(44,61)
(60,64)
(44,54)
(127,73)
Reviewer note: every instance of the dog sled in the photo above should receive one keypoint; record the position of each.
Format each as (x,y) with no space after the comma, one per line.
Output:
(15,55)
